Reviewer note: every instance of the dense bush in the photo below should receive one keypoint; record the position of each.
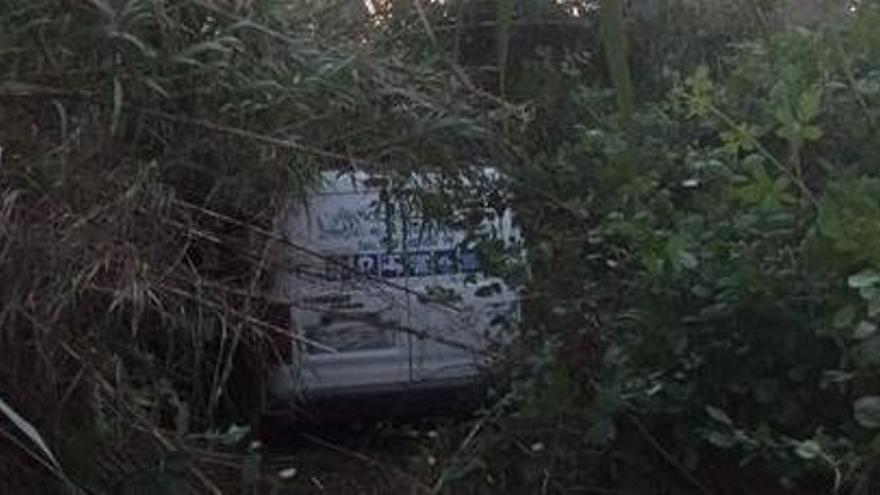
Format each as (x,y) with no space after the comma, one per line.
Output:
(723,258)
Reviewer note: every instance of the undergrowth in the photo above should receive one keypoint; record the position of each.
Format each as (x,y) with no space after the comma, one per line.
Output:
(146,148)
(703,306)
(704,302)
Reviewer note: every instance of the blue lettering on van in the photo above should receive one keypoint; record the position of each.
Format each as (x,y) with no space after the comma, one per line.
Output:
(397,265)
(444,262)
(392,265)
(419,264)
(367,264)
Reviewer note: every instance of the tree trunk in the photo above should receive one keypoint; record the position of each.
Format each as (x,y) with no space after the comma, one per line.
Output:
(614,43)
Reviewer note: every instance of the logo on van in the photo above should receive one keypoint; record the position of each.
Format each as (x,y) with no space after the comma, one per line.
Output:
(397,265)
(345,224)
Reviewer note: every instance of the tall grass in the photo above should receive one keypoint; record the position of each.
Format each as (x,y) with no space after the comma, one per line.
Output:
(146,147)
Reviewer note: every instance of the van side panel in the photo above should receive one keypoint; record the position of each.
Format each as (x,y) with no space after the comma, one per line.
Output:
(364,283)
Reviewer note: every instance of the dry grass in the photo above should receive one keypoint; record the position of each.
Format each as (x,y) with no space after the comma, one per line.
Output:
(131,313)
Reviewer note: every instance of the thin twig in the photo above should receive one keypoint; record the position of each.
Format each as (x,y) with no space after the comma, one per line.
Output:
(243,316)
(254,136)
(429,31)
(681,470)
(303,249)
(164,442)
(416,483)
(766,154)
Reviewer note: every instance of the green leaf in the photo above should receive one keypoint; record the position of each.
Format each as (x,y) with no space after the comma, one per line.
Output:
(865,278)
(24,426)
(864,330)
(687,260)
(811,133)
(867,353)
(808,449)
(809,104)
(156,87)
(698,94)
(844,317)
(784,115)
(719,415)
(234,434)
(117,105)
(871,296)
(222,46)
(742,137)
(868,86)
(721,440)
(866,411)
(145,50)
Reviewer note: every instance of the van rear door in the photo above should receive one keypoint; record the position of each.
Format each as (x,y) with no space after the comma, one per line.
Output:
(340,279)
(461,334)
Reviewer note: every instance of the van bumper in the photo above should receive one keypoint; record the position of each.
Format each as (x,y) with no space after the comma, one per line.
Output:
(386,401)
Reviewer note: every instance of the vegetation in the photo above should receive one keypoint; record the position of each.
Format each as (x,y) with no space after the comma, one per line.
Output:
(146,148)
(700,200)
(719,255)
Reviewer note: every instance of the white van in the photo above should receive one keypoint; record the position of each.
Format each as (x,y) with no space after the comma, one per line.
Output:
(384,300)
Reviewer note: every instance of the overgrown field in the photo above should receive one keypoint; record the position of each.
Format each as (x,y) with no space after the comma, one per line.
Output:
(698,184)
(146,146)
